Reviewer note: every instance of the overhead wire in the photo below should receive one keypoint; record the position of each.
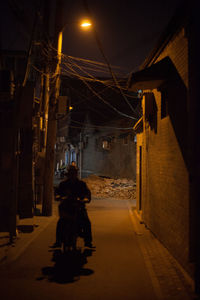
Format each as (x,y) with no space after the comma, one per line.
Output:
(103,82)
(86,98)
(92,62)
(85,79)
(101,126)
(92,78)
(107,83)
(99,44)
(86,72)
(90,66)
(101,98)
(66,57)
(86,63)
(42,72)
(88,75)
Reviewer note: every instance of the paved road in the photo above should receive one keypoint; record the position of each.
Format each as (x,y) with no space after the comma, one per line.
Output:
(115,270)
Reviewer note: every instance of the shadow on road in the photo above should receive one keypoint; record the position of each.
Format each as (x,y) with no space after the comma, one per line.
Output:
(68,266)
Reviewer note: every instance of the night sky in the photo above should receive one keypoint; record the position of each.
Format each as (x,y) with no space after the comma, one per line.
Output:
(127,29)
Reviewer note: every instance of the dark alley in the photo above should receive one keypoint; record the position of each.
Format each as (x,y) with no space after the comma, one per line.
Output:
(99,156)
(128,263)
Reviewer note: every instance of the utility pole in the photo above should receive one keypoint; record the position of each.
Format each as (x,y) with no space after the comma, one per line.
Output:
(52,123)
(80,163)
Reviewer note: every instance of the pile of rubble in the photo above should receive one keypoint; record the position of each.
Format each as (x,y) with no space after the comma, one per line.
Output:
(111,188)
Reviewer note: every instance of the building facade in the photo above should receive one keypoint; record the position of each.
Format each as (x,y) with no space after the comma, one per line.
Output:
(92,134)
(109,153)
(166,194)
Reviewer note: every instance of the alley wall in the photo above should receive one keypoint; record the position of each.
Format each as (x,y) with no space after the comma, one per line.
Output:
(164,175)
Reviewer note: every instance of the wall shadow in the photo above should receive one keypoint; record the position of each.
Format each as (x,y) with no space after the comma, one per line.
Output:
(174,96)
(68,267)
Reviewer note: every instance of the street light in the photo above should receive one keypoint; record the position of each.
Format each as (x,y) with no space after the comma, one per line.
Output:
(51,127)
(86,24)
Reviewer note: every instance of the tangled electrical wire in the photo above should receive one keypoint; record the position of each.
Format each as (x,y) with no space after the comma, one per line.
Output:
(83,70)
(79,68)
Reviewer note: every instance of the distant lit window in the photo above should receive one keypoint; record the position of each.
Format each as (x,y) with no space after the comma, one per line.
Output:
(106,145)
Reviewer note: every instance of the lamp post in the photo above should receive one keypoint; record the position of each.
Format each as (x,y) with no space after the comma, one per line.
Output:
(52,123)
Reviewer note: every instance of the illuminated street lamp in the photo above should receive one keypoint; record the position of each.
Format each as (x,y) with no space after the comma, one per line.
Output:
(86,24)
(51,127)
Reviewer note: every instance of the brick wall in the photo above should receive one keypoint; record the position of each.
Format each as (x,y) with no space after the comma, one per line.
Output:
(177,50)
(139,173)
(165,182)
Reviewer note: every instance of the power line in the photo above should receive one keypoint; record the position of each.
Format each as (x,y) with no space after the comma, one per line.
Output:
(85,80)
(99,44)
(101,126)
(101,98)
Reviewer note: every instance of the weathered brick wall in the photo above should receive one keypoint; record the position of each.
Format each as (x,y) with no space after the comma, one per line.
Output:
(177,50)
(165,182)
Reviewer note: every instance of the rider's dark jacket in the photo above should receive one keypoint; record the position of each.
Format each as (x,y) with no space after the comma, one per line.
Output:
(74,188)
(71,190)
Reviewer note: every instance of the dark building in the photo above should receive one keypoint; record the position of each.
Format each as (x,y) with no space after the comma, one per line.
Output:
(97,131)
(168,139)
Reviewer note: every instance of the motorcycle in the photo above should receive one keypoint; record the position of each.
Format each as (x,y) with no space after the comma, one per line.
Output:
(70,225)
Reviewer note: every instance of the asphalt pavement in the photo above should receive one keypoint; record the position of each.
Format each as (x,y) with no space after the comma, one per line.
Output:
(128,262)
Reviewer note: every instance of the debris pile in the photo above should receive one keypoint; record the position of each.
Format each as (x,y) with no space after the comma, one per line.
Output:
(111,188)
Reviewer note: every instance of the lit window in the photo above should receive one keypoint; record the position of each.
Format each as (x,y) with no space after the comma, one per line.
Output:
(106,145)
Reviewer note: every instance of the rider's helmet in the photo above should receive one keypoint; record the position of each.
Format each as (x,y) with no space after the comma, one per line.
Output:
(72,171)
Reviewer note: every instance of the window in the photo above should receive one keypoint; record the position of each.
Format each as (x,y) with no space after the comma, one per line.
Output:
(106,145)
(62,139)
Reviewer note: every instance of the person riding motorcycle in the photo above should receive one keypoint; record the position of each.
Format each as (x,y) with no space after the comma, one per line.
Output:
(72,189)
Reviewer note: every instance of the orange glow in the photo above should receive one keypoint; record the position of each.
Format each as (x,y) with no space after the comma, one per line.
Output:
(86,24)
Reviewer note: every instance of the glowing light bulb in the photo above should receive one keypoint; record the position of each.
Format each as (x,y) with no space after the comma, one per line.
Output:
(86,24)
